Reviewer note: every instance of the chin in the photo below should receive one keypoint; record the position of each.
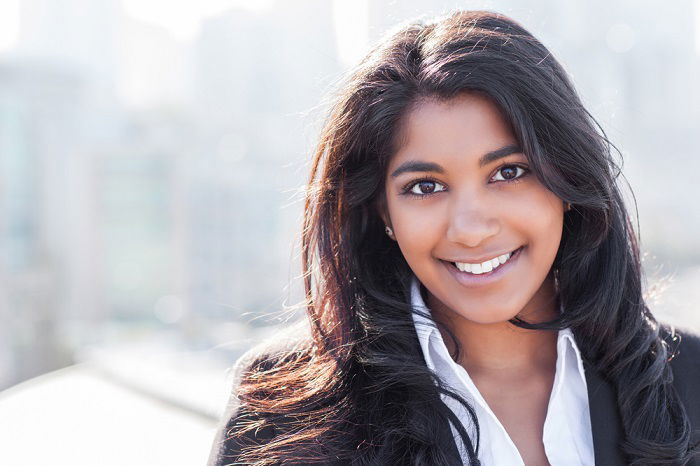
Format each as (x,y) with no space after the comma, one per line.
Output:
(489,318)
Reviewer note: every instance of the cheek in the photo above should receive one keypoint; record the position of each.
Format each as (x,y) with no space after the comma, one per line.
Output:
(541,216)
(418,227)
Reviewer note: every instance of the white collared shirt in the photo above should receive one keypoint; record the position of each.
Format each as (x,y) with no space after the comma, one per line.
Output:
(567,435)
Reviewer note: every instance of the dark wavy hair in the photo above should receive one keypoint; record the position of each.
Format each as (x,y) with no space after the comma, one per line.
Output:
(359,392)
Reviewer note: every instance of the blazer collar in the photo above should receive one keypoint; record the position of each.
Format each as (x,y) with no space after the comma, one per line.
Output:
(605,419)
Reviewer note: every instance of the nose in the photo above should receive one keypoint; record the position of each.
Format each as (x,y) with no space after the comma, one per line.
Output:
(472,222)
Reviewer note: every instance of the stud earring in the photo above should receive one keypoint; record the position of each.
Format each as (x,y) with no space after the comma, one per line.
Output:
(568,206)
(389,231)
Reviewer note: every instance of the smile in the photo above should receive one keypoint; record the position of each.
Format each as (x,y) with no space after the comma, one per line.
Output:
(484,267)
(483,273)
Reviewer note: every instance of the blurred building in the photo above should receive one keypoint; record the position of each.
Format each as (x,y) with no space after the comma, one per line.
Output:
(256,75)
(41,265)
(137,191)
(80,35)
(90,229)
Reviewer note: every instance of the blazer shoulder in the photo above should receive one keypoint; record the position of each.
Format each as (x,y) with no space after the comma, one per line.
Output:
(685,365)
(264,355)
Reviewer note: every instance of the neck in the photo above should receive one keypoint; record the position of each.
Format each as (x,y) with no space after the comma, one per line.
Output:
(501,346)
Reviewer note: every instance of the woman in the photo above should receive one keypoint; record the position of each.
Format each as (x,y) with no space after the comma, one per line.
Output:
(473,282)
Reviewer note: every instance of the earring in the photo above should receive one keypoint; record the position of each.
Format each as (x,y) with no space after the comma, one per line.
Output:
(568,206)
(389,232)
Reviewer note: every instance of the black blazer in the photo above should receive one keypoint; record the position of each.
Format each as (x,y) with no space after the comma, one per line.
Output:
(605,419)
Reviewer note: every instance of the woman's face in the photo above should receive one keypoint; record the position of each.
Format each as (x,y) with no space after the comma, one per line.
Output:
(460,190)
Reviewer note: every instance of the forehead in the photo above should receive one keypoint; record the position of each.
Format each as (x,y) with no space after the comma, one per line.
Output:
(467,125)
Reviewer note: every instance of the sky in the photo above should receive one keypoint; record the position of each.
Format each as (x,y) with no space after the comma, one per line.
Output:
(183,17)
(9,23)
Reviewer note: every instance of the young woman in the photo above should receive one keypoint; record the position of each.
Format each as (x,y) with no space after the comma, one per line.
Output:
(474,289)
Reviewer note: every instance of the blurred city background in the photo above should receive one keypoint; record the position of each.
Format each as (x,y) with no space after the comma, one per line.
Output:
(152,154)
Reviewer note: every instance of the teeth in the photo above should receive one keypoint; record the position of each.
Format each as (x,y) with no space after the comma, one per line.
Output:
(484,267)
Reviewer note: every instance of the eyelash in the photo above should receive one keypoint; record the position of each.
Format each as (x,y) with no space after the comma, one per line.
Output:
(406,190)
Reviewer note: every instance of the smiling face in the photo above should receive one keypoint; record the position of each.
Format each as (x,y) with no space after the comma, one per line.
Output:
(459,190)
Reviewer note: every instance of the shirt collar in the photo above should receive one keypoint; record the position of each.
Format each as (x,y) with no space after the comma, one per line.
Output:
(429,335)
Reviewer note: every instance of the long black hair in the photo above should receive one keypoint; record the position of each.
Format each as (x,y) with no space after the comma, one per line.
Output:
(359,392)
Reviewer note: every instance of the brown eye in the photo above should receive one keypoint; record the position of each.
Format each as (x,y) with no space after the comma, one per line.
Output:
(424,187)
(509,173)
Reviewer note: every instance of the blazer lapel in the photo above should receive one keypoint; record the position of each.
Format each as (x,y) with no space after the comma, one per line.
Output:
(605,419)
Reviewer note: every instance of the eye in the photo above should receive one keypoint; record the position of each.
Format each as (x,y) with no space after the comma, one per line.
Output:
(509,173)
(424,187)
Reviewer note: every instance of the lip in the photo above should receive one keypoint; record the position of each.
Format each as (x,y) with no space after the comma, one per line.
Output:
(480,260)
(472,280)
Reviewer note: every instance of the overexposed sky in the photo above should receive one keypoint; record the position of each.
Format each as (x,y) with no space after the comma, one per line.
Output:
(351,28)
(180,17)
(697,28)
(9,24)
(183,17)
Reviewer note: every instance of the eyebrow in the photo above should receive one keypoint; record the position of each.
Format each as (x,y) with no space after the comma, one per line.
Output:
(487,158)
